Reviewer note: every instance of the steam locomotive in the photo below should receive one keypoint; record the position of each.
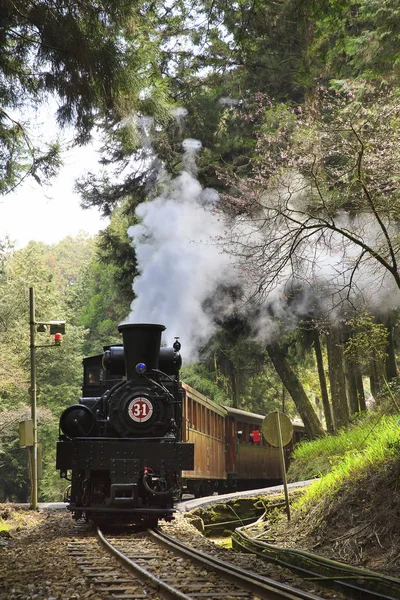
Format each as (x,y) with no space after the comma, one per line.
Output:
(123,443)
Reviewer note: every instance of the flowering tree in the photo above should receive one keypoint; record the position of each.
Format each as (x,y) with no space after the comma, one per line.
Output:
(322,206)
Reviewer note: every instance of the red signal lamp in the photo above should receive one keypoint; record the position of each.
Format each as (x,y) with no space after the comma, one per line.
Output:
(58,339)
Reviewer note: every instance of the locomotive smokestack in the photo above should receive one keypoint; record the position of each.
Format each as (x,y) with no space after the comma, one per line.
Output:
(142,345)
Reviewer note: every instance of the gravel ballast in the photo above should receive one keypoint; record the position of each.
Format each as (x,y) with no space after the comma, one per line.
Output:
(35,563)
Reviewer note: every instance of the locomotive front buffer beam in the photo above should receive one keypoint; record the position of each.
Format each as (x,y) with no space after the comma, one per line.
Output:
(122,462)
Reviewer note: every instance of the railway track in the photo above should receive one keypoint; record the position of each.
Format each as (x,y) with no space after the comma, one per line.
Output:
(154,565)
(356,583)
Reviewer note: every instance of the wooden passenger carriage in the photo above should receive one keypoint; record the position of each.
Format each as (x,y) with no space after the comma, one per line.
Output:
(228,456)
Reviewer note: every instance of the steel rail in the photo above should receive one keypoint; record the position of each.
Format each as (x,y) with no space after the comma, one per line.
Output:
(358,582)
(166,590)
(263,587)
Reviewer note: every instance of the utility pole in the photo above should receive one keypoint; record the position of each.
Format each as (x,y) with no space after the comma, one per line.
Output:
(57,328)
(33,392)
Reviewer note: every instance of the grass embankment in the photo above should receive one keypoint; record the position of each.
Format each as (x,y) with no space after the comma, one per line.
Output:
(353,511)
(367,445)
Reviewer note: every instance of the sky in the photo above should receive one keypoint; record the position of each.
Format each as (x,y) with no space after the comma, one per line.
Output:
(50,213)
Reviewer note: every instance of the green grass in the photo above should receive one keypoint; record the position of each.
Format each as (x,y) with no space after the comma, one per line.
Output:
(347,455)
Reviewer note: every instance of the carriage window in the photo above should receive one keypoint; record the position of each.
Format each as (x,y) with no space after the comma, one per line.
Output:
(93,376)
(255,436)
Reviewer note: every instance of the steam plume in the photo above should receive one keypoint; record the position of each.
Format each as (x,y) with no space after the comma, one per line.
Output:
(181,264)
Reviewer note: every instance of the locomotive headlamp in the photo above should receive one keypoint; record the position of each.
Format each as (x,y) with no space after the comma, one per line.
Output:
(141,368)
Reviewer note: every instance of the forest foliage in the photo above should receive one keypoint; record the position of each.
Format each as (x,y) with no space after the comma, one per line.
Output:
(66,284)
(296,105)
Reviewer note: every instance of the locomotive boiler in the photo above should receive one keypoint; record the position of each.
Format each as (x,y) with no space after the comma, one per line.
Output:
(122,443)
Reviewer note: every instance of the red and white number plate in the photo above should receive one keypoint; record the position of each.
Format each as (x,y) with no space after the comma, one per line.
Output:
(140,409)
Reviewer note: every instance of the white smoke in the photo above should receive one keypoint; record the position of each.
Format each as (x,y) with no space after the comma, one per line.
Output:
(181,263)
(191,148)
(187,253)
(321,271)
(179,115)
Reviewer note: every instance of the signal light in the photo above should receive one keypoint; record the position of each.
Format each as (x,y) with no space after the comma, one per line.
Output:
(58,339)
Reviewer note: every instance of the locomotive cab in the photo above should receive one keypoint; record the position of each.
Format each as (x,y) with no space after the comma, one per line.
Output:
(123,441)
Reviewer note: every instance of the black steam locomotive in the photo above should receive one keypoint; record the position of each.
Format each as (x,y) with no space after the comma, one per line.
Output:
(123,442)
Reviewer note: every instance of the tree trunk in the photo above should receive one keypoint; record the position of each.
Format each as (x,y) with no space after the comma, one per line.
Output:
(235,388)
(390,362)
(337,379)
(355,387)
(293,385)
(322,382)
(233,380)
(377,377)
(360,387)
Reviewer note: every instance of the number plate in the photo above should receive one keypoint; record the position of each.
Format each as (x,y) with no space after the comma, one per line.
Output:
(140,409)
